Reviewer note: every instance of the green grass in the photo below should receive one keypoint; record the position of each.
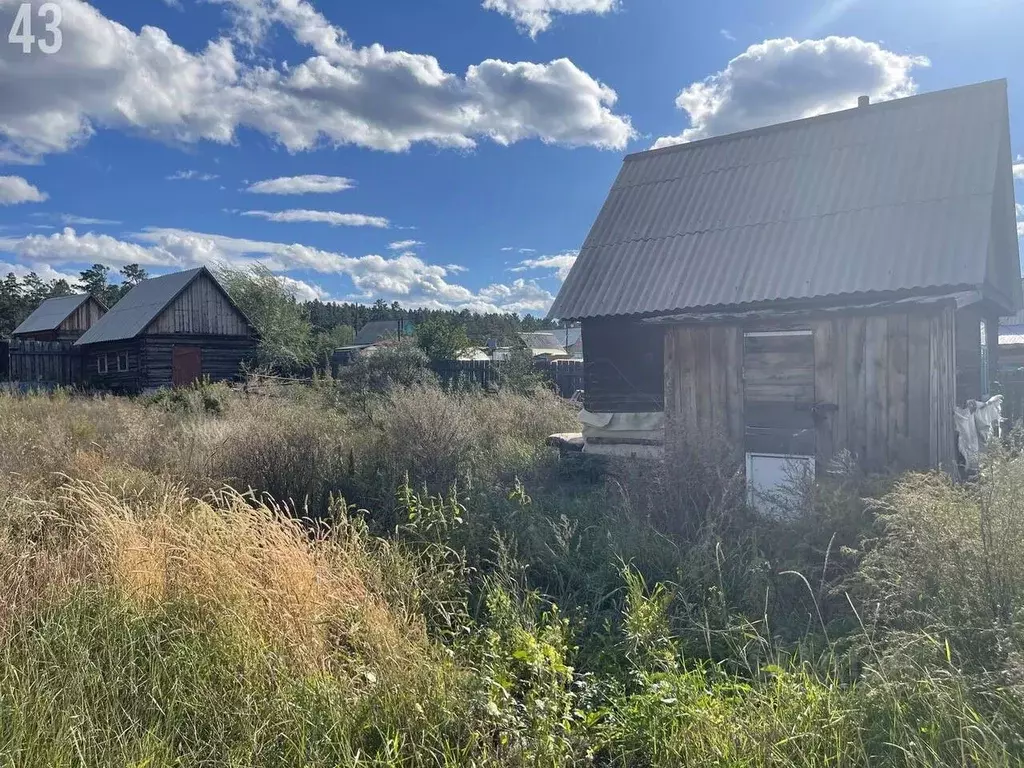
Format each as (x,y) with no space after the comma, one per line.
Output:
(487,610)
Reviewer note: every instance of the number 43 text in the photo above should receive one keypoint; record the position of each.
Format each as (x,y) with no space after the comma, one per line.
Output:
(21,30)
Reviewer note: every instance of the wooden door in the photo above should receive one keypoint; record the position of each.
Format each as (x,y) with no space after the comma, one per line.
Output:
(186,365)
(778,393)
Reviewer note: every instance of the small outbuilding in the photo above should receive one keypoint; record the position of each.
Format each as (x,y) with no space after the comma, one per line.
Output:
(168,331)
(829,284)
(62,318)
(378,331)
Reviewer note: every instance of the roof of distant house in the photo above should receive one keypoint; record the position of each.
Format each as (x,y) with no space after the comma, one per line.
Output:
(51,313)
(905,196)
(542,340)
(381,330)
(143,304)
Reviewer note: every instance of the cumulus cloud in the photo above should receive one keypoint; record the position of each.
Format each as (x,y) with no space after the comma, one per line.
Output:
(405,278)
(43,271)
(535,16)
(561,263)
(192,176)
(1018,167)
(785,79)
(333,218)
(404,245)
(456,268)
(109,76)
(15,190)
(303,291)
(301,185)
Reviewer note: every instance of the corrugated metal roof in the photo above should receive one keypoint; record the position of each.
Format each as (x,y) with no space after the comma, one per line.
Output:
(1011,334)
(379,330)
(50,314)
(1017,319)
(567,337)
(892,197)
(139,307)
(541,340)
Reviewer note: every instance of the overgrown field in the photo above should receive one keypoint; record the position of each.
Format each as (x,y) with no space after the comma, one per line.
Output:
(316,578)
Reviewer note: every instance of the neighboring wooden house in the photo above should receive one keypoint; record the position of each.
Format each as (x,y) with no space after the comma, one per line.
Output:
(168,331)
(378,331)
(571,340)
(62,318)
(1011,342)
(803,289)
(543,344)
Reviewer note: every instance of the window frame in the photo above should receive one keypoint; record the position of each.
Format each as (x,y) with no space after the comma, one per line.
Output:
(127,362)
(102,364)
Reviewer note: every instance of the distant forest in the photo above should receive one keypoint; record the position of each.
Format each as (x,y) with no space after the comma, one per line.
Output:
(20,296)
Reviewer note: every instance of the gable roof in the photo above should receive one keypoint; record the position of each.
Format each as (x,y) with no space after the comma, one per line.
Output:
(379,330)
(143,304)
(912,195)
(568,337)
(51,313)
(541,340)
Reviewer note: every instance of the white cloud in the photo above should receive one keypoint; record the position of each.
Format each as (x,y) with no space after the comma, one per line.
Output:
(509,248)
(1018,167)
(727,34)
(456,268)
(785,79)
(43,271)
(404,245)
(192,176)
(85,221)
(333,218)
(1020,220)
(535,16)
(405,278)
(15,190)
(561,263)
(302,290)
(109,76)
(302,185)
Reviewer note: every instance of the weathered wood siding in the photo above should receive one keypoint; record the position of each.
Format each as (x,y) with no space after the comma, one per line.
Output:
(778,393)
(82,319)
(201,309)
(883,388)
(623,366)
(222,356)
(131,380)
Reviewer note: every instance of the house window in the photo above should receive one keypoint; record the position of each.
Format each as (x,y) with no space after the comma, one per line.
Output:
(122,362)
(102,364)
(984,361)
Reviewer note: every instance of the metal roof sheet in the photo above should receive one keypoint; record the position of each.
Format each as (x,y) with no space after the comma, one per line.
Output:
(1017,319)
(541,340)
(896,196)
(139,307)
(50,314)
(379,330)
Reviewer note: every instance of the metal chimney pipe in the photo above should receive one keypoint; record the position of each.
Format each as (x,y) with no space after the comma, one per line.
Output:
(863,101)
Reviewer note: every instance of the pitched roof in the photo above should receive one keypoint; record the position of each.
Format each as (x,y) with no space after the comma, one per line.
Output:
(909,195)
(1013,320)
(142,305)
(567,337)
(541,340)
(379,330)
(51,313)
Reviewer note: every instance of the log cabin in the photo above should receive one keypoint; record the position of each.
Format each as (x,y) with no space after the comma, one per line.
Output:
(832,284)
(62,318)
(168,331)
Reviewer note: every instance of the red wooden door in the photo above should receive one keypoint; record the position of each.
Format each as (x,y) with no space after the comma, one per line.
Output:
(186,365)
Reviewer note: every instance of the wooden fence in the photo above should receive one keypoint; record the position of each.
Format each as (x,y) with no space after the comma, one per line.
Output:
(5,360)
(42,362)
(567,377)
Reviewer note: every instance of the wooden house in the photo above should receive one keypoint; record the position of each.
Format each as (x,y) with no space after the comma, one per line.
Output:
(380,331)
(168,331)
(825,285)
(62,318)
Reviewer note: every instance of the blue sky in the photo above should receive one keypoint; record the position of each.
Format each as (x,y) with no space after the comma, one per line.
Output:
(447,154)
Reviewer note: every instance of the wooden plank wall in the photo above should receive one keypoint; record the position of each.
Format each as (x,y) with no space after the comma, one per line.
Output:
(704,386)
(44,362)
(222,357)
(201,309)
(884,387)
(778,386)
(82,319)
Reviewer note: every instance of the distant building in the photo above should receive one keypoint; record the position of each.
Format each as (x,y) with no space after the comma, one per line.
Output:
(377,331)
(1011,341)
(63,318)
(571,340)
(543,344)
(168,331)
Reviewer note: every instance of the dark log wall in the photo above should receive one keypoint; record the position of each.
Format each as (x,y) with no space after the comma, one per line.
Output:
(131,380)
(222,356)
(883,388)
(201,309)
(624,366)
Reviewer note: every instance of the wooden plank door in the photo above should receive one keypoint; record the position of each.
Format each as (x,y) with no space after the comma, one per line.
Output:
(186,365)
(778,393)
